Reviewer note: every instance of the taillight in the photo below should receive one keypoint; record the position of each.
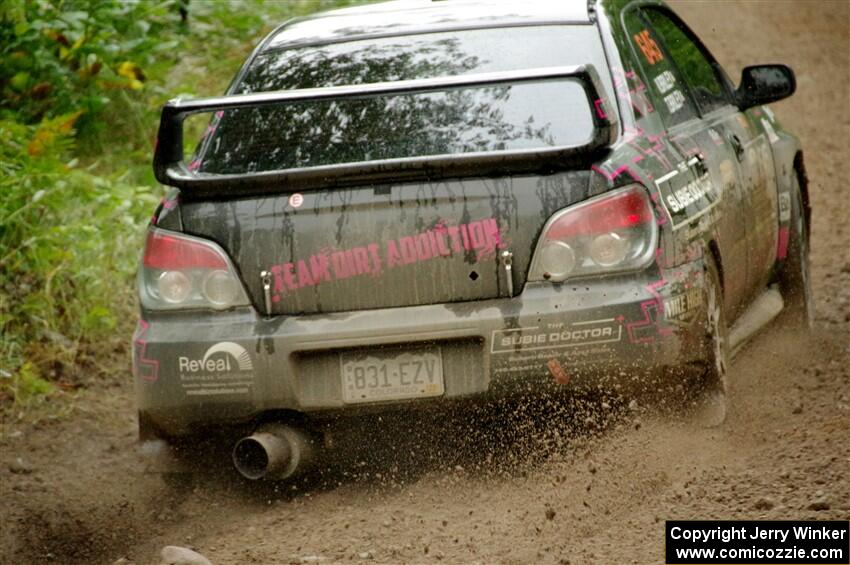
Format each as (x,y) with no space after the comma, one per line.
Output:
(181,271)
(165,250)
(611,233)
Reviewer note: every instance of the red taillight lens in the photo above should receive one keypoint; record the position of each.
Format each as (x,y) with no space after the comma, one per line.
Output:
(617,212)
(611,233)
(181,271)
(167,252)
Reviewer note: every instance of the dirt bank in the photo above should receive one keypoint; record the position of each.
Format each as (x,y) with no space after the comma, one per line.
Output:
(590,487)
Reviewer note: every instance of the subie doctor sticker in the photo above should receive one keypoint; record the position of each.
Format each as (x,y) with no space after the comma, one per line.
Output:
(686,198)
(576,334)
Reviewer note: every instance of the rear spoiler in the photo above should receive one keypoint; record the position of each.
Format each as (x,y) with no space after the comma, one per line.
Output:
(171,169)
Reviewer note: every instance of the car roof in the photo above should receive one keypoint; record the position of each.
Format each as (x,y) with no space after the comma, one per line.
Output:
(402,17)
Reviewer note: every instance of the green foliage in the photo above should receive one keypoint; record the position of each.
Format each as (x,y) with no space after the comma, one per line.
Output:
(68,247)
(26,386)
(81,85)
(60,57)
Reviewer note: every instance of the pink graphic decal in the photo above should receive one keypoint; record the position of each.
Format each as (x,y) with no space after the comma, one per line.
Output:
(657,150)
(782,243)
(599,104)
(167,204)
(616,173)
(634,137)
(147,369)
(635,97)
(646,330)
(653,289)
(648,145)
(483,237)
(195,163)
(652,325)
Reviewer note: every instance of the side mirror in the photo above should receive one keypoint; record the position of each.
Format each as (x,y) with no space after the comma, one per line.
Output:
(762,84)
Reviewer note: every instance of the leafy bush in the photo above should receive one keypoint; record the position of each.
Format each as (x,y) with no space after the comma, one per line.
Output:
(61,57)
(68,247)
(68,238)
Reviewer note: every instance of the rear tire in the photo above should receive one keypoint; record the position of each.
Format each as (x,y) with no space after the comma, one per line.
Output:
(794,277)
(711,403)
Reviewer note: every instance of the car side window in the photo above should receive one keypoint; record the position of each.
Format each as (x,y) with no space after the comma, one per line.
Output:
(664,85)
(699,71)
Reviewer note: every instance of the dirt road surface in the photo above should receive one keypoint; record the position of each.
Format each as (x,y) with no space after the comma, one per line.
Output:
(538,486)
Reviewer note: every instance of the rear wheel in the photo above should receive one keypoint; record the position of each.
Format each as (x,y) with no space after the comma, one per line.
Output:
(710,408)
(794,279)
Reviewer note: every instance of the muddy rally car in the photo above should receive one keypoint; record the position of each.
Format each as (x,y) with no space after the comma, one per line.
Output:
(413,203)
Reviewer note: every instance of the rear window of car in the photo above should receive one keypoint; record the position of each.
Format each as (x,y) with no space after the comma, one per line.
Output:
(471,119)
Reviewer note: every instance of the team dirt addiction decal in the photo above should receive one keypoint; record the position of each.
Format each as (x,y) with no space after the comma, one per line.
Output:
(481,238)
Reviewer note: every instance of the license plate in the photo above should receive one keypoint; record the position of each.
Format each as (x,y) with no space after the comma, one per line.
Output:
(379,376)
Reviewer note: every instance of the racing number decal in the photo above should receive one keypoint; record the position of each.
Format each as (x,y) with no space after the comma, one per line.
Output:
(648,47)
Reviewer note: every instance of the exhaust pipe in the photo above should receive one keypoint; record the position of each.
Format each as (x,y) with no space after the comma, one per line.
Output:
(275,450)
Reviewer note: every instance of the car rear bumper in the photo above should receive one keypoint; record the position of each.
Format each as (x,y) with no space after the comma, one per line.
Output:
(197,369)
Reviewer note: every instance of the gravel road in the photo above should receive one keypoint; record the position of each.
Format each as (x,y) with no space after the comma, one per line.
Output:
(592,483)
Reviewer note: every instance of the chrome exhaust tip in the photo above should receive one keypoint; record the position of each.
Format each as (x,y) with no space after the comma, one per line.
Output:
(275,451)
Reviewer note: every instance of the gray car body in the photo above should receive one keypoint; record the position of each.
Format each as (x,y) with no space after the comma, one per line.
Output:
(605,331)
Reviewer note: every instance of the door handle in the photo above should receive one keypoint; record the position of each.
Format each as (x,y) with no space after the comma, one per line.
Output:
(737,146)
